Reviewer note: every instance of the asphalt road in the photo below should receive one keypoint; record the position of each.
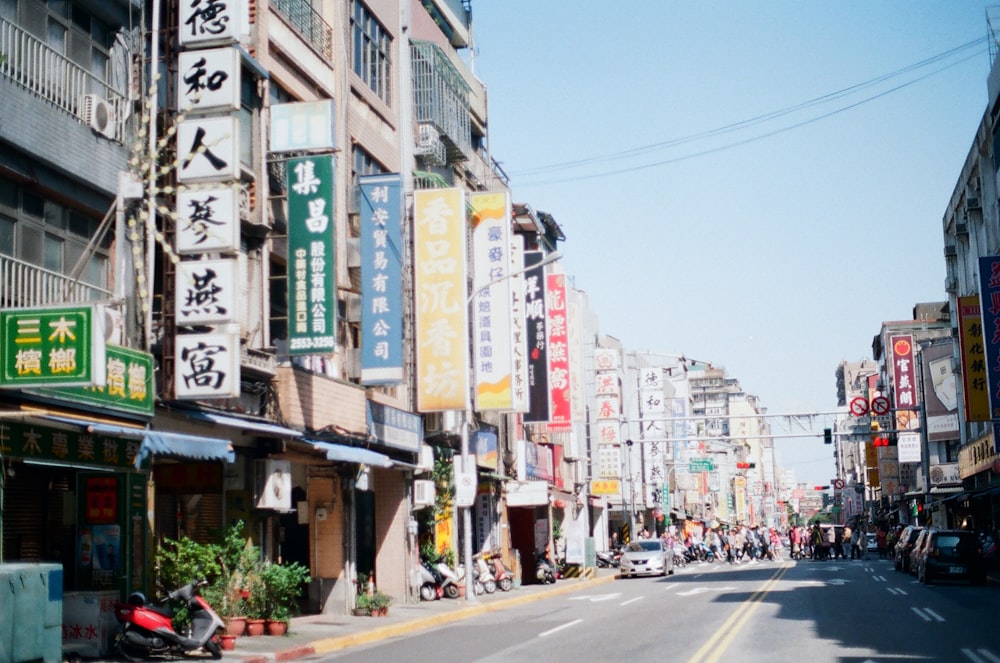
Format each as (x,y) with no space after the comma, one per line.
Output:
(809,612)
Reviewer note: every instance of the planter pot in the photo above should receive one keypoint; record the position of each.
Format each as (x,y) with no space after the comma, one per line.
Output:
(360,612)
(276,627)
(380,612)
(236,626)
(255,627)
(228,642)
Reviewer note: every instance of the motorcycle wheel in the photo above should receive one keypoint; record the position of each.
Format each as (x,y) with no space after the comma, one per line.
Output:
(490,586)
(506,584)
(128,654)
(428,592)
(213,648)
(451,591)
(478,588)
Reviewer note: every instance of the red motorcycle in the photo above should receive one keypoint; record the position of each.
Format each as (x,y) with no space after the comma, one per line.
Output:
(148,630)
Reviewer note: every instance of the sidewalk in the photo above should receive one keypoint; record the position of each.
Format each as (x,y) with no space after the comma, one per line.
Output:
(319,634)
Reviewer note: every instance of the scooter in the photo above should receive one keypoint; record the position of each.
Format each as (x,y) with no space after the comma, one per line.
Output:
(503,575)
(545,570)
(484,575)
(147,630)
(450,580)
(426,577)
(607,559)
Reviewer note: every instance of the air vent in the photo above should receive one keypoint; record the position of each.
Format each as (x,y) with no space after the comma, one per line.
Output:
(99,115)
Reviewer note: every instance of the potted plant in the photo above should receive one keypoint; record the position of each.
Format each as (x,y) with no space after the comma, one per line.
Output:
(379,604)
(282,586)
(362,605)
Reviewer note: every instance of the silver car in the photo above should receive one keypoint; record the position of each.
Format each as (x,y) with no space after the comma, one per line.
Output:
(647,557)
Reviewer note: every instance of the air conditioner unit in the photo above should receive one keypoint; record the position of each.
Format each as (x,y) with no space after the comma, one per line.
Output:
(972,202)
(950,284)
(950,251)
(962,228)
(439,422)
(273,484)
(424,493)
(99,115)
(430,149)
(425,460)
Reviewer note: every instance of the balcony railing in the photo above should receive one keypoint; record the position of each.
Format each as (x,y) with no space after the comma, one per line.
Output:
(32,64)
(25,285)
(308,23)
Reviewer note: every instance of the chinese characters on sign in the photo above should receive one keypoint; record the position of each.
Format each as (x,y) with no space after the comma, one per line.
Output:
(209,21)
(42,443)
(974,377)
(519,346)
(904,382)
(492,335)
(440,281)
(560,416)
(208,366)
(538,361)
(209,80)
(989,288)
(381,279)
(207,220)
(311,293)
(129,385)
(52,347)
(206,292)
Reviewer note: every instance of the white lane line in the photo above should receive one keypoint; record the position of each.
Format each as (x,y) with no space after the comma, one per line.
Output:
(934,614)
(980,656)
(878,578)
(897,591)
(559,628)
(638,598)
(921,614)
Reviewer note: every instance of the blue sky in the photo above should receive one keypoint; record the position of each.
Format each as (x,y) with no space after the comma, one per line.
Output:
(755,184)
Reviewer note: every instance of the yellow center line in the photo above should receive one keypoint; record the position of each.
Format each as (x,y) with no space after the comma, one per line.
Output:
(724,635)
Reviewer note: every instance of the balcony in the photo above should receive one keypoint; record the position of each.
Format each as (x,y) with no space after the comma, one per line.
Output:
(36,67)
(308,23)
(441,99)
(23,285)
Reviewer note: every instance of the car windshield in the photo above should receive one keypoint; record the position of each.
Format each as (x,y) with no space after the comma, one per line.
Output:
(644,546)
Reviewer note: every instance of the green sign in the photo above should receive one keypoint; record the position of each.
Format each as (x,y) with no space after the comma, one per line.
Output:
(129,386)
(51,347)
(665,497)
(701,465)
(29,441)
(312,290)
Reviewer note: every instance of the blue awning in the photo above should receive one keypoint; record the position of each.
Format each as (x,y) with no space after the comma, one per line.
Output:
(357,455)
(261,427)
(160,443)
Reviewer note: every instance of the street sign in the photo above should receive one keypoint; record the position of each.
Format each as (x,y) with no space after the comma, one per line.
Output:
(701,465)
(859,406)
(52,347)
(880,405)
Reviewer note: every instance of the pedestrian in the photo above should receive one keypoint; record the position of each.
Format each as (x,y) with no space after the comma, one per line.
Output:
(838,542)
(857,540)
(880,541)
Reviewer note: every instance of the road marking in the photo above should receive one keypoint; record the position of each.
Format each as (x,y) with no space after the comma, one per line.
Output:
(927,614)
(638,598)
(559,628)
(595,598)
(878,578)
(980,656)
(837,581)
(897,591)
(723,636)
(702,590)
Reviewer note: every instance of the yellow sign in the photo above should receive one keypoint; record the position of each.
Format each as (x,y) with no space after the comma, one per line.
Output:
(605,487)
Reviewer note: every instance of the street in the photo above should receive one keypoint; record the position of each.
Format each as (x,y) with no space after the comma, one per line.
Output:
(838,610)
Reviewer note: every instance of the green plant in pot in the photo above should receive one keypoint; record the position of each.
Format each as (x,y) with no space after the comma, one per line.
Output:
(283,585)
(379,603)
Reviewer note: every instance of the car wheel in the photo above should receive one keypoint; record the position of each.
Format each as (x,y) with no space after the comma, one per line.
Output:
(671,572)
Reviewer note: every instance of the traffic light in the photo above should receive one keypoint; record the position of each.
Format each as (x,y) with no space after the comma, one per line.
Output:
(821,487)
(827,436)
(878,440)
(745,466)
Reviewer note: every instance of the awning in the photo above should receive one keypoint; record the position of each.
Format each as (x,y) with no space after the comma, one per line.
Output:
(261,427)
(159,443)
(345,454)
(942,490)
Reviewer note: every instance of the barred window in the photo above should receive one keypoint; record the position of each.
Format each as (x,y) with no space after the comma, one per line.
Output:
(370,48)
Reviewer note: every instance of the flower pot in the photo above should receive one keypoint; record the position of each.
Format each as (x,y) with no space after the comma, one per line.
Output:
(360,612)
(228,642)
(276,627)
(236,626)
(255,627)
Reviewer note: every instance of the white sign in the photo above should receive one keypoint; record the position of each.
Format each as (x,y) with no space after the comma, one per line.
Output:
(909,447)
(208,149)
(209,21)
(208,80)
(206,292)
(303,125)
(207,366)
(465,483)
(207,220)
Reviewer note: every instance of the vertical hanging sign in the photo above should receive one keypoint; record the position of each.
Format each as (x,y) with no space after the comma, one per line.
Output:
(974,378)
(561,414)
(311,293)
(381,279)
(904,381)
(538,361)
(492,334)
(441,308)
(519,348)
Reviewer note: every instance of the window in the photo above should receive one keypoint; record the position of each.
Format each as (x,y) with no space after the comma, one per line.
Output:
(370,44)
(48,235)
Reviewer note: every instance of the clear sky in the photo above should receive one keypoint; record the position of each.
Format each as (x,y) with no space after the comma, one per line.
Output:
(758,185)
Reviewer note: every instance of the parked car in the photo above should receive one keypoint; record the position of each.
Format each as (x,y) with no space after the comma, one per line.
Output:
(872,542)
(646,557)
(915,551)
(952,555)
(901,554)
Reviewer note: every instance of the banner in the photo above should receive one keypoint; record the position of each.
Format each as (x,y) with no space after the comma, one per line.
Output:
(904,382)
(381,279)
(989,288)
(441,307)
(537,339)
(940,392)
(561,413)
(974,378)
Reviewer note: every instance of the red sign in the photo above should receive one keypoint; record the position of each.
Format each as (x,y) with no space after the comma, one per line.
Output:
(904,381)
(880,405)
(560,417)
(101,500)
(859,407)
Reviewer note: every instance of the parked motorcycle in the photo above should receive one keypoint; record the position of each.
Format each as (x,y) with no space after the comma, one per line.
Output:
(545,569)
(426,577)
(484,574)
(503,575)
(450,580)
(147,630)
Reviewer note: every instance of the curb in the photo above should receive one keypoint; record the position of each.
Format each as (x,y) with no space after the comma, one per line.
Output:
(337,643)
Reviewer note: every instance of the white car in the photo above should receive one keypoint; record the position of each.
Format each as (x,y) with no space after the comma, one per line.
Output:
(872,543)
(646,557)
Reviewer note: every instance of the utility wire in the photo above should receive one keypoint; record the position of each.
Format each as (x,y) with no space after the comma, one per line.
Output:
(746,123)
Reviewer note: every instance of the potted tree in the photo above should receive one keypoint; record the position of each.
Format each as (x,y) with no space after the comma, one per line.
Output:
(282,585)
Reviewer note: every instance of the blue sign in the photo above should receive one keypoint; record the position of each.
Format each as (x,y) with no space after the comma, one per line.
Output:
(989,284)
(394,427)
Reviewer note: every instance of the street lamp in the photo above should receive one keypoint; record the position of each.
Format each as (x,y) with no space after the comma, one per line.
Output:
(467,421)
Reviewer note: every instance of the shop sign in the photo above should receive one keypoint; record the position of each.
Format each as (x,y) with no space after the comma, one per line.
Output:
(129,387)
(394,427)
(208,149)
(207,366)
(605,487)
(558,350)
(52,347)
(974,377)
(303,125)
(978,456)
(989,287)
(518,325)
(212,21)
(381,279)
(537,339)
(904,382)
(208,80)
(28,441)
(207,292)
(207,220)
(100,500)
(312,302)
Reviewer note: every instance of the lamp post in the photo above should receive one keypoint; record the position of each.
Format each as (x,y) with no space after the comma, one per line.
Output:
(467,422)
